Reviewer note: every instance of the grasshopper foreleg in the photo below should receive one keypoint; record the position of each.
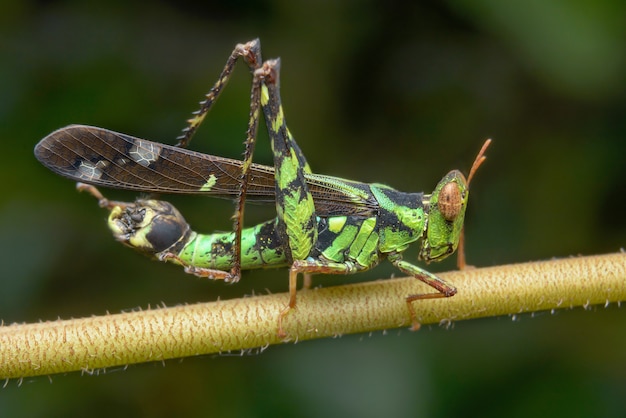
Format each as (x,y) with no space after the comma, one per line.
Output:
(444,289)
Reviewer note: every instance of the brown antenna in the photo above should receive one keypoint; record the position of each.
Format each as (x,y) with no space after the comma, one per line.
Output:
(460,253)
(480,158)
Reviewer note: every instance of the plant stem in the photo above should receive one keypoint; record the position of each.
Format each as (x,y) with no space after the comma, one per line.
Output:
(92,343)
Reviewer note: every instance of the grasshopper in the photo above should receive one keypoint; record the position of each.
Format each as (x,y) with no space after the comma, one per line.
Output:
(324,224)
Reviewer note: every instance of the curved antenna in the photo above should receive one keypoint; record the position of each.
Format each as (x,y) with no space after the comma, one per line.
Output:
(480,158)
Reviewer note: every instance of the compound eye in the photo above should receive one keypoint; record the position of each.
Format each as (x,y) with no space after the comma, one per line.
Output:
(450,201)
(137,215)
(165,231)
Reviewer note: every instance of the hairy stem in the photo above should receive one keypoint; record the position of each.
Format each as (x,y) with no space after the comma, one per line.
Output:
(159,334)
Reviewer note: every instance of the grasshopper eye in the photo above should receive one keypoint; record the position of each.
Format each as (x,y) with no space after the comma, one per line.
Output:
(137,217)
(450,201)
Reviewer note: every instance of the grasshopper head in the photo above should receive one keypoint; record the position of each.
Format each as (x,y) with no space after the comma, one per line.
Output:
(446,212)
(149,226)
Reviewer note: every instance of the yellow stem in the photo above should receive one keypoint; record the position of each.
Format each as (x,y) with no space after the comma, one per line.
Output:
(159,334)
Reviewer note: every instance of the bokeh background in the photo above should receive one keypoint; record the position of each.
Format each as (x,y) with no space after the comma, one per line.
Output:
(393,92)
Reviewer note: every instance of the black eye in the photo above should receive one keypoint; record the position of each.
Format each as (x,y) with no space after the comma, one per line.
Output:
(165,232)
(137,216)
(450,201)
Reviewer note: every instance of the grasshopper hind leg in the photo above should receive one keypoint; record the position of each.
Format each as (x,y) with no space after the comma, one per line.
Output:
(297,224)
(250,53)
(307,268)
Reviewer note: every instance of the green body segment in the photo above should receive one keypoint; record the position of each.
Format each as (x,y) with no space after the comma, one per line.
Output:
(260,248)
(405,218)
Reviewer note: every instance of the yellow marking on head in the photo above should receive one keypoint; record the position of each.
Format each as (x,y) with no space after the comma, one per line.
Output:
(209,183)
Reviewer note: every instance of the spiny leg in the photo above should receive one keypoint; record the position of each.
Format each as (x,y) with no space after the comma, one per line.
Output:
(253,125)
(251,53)
(444,289)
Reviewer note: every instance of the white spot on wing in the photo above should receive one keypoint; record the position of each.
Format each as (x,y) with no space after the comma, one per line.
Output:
(90,171)
(144,153)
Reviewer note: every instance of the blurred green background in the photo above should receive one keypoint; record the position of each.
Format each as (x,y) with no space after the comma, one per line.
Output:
(394,92)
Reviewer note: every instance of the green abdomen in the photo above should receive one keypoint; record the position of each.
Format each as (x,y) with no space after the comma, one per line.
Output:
(260,247)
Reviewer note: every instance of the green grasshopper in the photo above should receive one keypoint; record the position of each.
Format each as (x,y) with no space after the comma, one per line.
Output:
(323,225)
